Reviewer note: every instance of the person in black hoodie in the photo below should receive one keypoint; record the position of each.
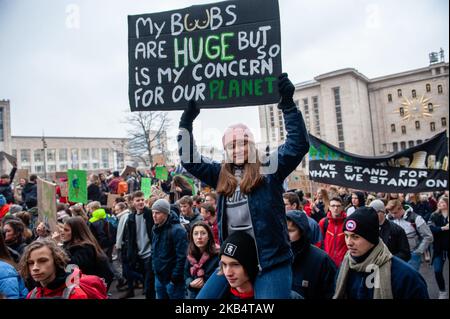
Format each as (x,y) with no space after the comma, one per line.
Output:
(313,270)
(95,192)
(358,200)
(29,192)
(84,250)
(5,185)
(392,235)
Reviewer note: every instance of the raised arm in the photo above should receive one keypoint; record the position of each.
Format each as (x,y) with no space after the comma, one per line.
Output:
(290,154)
(201,167)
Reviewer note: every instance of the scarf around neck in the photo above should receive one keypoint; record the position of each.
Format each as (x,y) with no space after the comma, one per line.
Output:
(379,261)
(196,269)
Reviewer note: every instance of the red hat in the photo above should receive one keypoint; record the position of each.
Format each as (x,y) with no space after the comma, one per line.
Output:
(237,132)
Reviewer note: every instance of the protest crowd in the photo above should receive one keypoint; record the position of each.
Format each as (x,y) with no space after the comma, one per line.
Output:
(240,235)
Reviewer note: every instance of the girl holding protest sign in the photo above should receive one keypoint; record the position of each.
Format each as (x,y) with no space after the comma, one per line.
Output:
(250,194)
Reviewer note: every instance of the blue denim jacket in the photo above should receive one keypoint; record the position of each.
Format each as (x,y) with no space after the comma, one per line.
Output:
(265,202)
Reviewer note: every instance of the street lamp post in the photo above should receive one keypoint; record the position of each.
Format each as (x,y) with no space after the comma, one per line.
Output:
(44,145)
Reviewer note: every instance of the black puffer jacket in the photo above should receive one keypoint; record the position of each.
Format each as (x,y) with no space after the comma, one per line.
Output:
(313,271)
(395,239)
(84,256)
(6,190)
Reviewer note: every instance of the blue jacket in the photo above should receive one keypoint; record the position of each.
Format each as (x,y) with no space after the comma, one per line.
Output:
(313,271)
(11,284)
(407,283)
(265,202)
(169,250)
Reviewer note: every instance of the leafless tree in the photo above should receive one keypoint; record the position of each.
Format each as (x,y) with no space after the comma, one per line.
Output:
(145,130)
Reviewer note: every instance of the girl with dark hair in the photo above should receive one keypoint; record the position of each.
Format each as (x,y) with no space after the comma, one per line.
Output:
(84,250)
(250,194)
(11,284)
(179,188)
(202,258)
(14,235)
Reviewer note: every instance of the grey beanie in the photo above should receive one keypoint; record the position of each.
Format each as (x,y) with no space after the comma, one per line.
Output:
(161,205)
(15,209)
(378,205)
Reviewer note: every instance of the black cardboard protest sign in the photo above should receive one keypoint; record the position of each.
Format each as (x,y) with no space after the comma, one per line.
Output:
(221,55)
(422,168)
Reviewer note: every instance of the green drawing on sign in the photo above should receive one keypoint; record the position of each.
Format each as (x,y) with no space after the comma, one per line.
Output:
(77,186)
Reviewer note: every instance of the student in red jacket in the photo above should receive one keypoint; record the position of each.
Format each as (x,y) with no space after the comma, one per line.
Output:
(332,231)
(44,261)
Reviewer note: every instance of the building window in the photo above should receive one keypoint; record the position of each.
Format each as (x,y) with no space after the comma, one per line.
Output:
(339,124)
(63,154)
(95,165)
(74,157)
(25,156)
(403,129)
(51,155)
(440,91)
(389,97)
(84,154)
(315,100)
(428,87)
(395,146)
(430,107)
(85,166)
(63,167)
(417,125)
(419,142)
(399,93)
(105,158)
(432,126)
(403,146)
(402,112)
(306,109)
(392,128)
(94,154)
(2,134)
(51,168)
(39,168)
(444,121)
(413,93)
(39,155)
(14,153)
(410,143)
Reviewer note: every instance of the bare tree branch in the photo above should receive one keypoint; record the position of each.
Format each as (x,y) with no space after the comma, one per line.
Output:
(145,129)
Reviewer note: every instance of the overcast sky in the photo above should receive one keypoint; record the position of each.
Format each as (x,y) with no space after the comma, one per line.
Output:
(69,76)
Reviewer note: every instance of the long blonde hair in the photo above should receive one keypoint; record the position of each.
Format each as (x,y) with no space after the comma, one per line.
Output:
(252,178)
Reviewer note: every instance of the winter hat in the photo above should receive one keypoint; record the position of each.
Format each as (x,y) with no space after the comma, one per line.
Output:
(2,200)
(15,209)
(161,205)
(241,246)
(378,205)
(61,214)
(239,132)
(364,222)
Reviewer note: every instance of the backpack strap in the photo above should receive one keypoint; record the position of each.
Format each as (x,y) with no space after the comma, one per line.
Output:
(68,291)
(33,293)
(325,228)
